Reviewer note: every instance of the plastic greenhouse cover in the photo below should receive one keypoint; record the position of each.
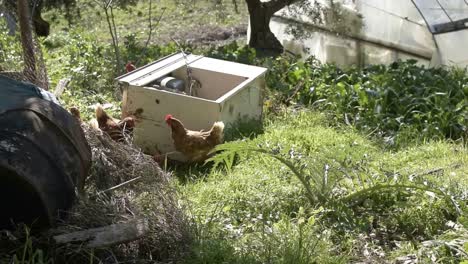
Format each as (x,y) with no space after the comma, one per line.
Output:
(444,15)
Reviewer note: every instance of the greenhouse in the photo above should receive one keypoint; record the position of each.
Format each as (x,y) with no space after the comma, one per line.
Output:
(434,32)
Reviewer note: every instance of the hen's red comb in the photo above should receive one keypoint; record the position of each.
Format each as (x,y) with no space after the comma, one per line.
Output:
(168,117)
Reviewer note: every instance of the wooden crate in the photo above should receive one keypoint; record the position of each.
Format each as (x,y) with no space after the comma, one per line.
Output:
(229,92)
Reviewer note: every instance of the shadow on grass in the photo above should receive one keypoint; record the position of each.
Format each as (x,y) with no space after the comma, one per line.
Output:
(243,129)
(216,250)
(188,172)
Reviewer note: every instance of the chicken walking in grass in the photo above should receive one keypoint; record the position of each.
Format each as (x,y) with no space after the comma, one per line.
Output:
(195,145)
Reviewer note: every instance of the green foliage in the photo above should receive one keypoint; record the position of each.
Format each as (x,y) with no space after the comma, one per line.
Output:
(11,58)
(295,239)
(136,52)
(89,64)
(84,60)
(59,4)
(356,189)
(23,248)
(338,186)
(233,52)
(402,102)
(450,247)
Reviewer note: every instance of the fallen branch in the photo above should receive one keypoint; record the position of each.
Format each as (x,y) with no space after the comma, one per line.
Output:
(298,87)
(106,235)
(62,84)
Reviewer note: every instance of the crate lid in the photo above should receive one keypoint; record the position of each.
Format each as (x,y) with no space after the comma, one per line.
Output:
(159,68)
(229,67)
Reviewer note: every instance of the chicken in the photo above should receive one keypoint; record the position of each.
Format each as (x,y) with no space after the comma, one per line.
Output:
(127,124)
(76,113)
(116,129)
(195,145)
(130,67)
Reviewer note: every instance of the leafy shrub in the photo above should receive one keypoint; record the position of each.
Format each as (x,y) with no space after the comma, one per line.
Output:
(11,58)
(137,52)
(401,102)
(85,61)
(233,52)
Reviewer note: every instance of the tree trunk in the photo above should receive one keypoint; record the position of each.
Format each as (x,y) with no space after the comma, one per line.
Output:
(41,26)
(260,14)
(27,41)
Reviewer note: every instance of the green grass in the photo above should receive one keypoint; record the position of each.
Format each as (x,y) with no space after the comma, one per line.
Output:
(261,209)
(177,19)
(401,103)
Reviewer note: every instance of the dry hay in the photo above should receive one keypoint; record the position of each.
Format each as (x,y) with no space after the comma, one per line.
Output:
(150,196)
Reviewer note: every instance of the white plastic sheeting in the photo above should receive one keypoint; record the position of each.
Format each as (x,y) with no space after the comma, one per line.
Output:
(448,20)
(391,30)
(452,48)
(438,12)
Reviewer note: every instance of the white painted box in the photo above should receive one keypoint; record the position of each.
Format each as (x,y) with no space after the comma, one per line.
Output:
(222,91)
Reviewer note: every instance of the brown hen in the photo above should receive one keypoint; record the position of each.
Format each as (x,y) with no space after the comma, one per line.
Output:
(75,112)
(195,145)
(116,129)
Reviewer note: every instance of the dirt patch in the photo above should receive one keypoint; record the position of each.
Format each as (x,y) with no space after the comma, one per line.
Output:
(213,34)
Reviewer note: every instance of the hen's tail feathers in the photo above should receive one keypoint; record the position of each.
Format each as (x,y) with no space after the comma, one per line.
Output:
(218,129)
(218,126)
(94,124)
(100,113)
(102,116)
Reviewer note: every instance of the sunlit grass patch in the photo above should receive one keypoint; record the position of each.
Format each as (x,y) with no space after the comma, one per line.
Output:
(409,195)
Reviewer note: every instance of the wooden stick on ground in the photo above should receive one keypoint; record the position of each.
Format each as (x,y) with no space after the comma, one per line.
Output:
(106,235)
(119,185)
(62,84)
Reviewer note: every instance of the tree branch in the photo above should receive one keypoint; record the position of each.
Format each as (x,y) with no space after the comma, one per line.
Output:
(276,5)
(27,41)
(107,235)
(252,4)
(111,24)
(236,8)
(151,26)
(116,36)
